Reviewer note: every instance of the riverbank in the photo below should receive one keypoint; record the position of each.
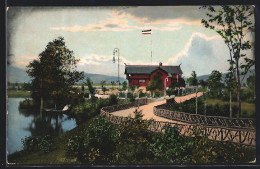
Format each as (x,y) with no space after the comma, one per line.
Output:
(57,156)
(18,94)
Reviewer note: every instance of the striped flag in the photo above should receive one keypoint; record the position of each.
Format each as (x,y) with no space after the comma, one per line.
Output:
(146,32)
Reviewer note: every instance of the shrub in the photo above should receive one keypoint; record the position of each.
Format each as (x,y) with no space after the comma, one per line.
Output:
(30,144)
(170,147)
(75,148)
(27,104)
(207,151)
(135,140)
(44,144)
(96,145)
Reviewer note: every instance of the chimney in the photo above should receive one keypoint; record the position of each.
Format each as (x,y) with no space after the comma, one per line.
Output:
(160,64)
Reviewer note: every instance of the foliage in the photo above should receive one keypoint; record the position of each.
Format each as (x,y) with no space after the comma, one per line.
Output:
(131,97)
(232,23)
(171,147)
(203,83)
(189,106)
(96,145)
(27,86)
(124,87)
(155,85)
(90,87)
(214,81)
(54,74)
(27,104)
(44,144)
(193,79)
(135,139)
(103,86)
(90,108)
(207,151)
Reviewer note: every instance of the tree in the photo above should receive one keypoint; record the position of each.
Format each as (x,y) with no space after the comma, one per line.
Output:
(203,83)
(124,85)
(193,79)
(230,84)
(155,84)
(251,83)
(54,73)
(103,86)
(113,83)
(232,23)
(214,81)
(90,87)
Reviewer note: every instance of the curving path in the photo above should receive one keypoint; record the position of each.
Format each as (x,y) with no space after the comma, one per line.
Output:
(147,110)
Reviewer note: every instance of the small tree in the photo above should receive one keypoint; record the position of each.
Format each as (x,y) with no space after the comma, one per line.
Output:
(103,86)
(232,23)
(193,79)
(90,87)
(155,84)
(214,81)
(124,85)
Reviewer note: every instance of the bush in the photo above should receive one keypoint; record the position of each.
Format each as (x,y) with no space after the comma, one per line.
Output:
(44,144)
(97,145)
(75,148)
(135,139)
(170,147)
(27,104)
(207,151)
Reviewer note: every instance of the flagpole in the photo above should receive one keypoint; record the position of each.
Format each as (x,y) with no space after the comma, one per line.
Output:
(151,48)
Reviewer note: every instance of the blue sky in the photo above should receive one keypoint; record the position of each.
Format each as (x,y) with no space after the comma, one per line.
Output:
(92,33)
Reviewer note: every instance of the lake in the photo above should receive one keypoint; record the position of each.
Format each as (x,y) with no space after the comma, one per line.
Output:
(24,123)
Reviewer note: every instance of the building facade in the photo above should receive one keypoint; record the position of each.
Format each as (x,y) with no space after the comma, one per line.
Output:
(141,75)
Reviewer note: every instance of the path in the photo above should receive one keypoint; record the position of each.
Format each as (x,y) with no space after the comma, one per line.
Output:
(147,110)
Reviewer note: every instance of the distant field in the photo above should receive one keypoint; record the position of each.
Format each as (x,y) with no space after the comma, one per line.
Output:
(18,93)
(248,109)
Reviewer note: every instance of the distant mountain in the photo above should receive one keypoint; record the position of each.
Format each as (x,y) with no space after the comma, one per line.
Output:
(97,78)
(15,74)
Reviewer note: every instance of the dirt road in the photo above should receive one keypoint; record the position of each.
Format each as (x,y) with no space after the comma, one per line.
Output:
(147,110)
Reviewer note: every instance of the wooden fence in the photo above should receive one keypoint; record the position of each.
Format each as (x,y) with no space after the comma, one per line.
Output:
(241,135)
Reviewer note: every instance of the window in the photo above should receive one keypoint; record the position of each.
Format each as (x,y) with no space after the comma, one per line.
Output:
(142,81)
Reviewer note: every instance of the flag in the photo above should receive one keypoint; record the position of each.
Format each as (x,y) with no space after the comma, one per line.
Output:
(146,32)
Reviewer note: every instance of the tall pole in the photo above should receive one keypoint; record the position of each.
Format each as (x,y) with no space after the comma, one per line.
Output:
(151,49)
(116,50)
(196,101)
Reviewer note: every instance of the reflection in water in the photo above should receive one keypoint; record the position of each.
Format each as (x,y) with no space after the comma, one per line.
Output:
(24,123)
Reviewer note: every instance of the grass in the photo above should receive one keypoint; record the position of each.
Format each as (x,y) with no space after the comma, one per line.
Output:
(18,93)
(247,109)
(54,157)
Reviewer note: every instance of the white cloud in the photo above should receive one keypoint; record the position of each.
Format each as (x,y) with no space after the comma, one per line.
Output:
(202,54)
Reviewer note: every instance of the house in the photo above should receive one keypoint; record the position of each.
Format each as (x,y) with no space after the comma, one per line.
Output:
(141,75)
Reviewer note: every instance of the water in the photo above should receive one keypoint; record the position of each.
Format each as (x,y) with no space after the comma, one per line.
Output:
(24,123)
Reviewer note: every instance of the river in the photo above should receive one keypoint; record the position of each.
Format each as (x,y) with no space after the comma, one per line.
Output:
(24,123)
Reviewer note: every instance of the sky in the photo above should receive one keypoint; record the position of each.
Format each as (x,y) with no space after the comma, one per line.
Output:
(177,37)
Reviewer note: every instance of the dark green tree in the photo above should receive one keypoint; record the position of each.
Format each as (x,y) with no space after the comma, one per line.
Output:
(90,87)
(124,85)
(103,86)
(155,84)
(54,73)
(232,23)
(203,83)
(214,81)
(193,79)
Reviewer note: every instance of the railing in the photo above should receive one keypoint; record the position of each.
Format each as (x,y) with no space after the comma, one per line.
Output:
(202,119)
(241,136)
